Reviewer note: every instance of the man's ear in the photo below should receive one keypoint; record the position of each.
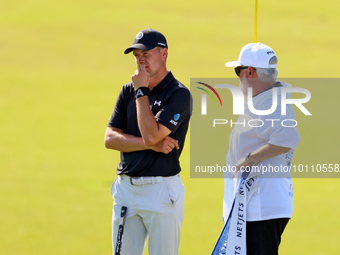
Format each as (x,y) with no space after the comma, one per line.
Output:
(251,72)
(164,53)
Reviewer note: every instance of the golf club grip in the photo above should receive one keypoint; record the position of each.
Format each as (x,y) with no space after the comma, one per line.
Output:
(119,239)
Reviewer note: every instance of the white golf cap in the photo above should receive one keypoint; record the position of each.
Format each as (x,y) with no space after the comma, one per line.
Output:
(255,55)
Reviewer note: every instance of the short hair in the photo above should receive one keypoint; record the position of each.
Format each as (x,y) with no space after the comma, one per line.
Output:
(267,74)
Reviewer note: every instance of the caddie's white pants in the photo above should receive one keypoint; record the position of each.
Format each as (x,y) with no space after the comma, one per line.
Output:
(154,211)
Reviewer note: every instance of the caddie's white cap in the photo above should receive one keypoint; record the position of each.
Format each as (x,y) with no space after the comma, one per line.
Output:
(255,55)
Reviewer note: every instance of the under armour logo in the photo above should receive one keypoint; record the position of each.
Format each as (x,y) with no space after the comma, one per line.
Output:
(157,103)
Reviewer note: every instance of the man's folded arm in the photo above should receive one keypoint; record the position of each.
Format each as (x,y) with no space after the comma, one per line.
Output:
(116,139)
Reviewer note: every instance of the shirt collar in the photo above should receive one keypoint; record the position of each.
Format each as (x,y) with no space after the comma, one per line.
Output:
(167,79)
(277,84)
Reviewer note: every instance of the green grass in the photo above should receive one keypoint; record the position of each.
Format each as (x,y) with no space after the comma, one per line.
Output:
(61,68)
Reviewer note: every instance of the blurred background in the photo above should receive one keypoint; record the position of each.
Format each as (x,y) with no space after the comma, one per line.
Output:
(61,69)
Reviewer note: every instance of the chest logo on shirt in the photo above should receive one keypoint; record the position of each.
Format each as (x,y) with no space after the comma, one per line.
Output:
(157,103)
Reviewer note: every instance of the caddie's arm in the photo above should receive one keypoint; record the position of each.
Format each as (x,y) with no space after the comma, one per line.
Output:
(263,153)
(116,139)
(152,131)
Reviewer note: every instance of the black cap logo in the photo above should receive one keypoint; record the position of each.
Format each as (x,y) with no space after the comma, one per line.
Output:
(139,35)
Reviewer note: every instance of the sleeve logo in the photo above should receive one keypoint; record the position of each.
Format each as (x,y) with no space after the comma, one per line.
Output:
(174,121)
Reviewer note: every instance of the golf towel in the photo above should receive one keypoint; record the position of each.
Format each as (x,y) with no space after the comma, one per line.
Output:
(232,240)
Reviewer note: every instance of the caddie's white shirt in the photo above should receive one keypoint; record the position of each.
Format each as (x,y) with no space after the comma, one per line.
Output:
(274,196)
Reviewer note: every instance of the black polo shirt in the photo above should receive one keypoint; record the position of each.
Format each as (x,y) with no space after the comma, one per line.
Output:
(171,104)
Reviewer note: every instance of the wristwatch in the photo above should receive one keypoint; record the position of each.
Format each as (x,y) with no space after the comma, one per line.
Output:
(248,159)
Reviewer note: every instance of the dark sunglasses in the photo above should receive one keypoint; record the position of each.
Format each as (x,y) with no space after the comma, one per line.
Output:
(239,68)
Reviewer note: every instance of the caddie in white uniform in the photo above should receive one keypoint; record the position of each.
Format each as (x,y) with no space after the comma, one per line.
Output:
(267,145)
(148,126)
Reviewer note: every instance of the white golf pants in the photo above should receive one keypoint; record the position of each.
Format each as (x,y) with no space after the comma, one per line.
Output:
(153,210)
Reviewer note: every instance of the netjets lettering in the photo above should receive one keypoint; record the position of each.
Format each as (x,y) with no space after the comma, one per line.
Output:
(240,220)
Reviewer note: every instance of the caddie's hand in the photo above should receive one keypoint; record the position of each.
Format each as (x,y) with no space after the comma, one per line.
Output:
(141,78)
(166,145)
(242,163)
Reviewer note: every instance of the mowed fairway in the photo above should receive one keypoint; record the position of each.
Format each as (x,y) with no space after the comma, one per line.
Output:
(61,68)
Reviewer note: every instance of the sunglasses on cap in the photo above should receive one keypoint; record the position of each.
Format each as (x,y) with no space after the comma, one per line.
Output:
(239,68)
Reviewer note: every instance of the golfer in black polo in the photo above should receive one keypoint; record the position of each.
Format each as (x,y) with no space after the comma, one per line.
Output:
(148,126)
